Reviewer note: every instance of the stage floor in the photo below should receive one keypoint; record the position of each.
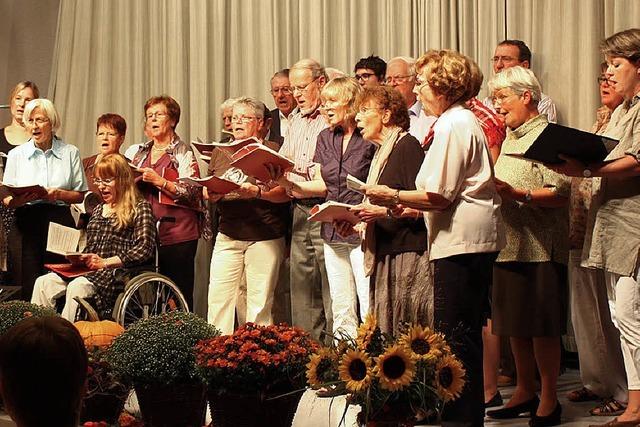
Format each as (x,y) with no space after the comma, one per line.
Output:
(316,412)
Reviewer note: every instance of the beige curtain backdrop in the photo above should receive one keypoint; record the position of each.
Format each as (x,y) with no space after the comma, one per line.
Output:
(111,55)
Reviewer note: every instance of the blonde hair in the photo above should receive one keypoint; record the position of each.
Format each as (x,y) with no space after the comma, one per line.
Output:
(47,109)
(519,80)
(447,73)
(475,82)
(345,90)
(115,166)
(24,85)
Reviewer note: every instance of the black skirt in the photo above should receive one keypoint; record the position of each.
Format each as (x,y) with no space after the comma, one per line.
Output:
(529,299)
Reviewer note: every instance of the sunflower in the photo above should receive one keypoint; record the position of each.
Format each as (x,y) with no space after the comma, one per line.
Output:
(423,343)
(395,368)
(355,370)
(369,337)
(321,368)
(449,378)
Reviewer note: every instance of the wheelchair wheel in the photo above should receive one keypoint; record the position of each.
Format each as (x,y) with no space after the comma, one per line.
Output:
(148,294)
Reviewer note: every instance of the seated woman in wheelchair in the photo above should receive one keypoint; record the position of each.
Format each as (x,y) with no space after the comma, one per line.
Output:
(121,234)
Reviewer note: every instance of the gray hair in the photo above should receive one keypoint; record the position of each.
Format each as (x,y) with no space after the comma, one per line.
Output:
(519,80)
(228,103)
(409,61)
(256,106)
(47,109)
(312,65)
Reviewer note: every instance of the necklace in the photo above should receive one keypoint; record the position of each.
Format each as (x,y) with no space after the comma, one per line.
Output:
(159,148)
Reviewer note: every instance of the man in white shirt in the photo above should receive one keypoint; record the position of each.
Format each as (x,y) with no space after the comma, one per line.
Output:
(510,53)
(286,106)
(401,75)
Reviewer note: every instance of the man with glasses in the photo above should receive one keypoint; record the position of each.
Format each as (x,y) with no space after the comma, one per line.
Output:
(510,53)
(285,106)
(370,71)
(310,298)
(401,75)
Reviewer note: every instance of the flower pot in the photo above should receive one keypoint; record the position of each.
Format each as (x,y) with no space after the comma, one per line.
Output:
(102,407)
(252,410)
(173,405)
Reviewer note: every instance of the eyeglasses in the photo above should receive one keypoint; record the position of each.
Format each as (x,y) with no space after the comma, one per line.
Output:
(107,134)
(364,76)
(365,110)
(397,79)
(38,121)
(503,59)
(284,90)
(304,88)
(104,181)
(242,119)
(603,79)
(500,99)
(160,116)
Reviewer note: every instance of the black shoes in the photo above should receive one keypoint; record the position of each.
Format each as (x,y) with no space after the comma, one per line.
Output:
(529,407)
(496,400)
(553,419)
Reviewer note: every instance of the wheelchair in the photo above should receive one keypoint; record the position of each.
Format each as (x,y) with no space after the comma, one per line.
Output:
(146,293)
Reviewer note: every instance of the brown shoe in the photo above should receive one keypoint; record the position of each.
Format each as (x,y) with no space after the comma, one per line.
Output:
(608,407)
(615,423)
(582,395)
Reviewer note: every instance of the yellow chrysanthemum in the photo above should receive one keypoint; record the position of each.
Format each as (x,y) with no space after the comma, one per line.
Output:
(321,367)
(424,344)
(355,370)
(366,331)
(395,368)
(449,378)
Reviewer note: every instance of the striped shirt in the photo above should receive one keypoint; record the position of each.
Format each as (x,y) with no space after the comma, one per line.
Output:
(491,124)
(300,143)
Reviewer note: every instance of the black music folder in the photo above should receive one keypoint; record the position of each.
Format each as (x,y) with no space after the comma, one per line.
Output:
(556,139)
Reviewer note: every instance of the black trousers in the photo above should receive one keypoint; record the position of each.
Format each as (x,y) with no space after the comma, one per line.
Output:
(461,284)
(177,263)
(28,243)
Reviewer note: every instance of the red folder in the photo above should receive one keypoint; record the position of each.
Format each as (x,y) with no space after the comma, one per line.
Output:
(253,158)
(69,270)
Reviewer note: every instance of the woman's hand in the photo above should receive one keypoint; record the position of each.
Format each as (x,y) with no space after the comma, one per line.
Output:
(381,195)
(570,167)
(369,213)
(212,197)
(505,190)
(247,191)
(94,261)
(53,194)
(152,177)
(344,228)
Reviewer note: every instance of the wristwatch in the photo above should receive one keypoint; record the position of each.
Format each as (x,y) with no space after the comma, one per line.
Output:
(586,173)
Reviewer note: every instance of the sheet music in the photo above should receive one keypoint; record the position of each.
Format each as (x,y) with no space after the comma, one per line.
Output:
(61,239)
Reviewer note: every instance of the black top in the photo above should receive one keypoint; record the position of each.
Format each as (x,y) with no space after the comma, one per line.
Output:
(275,134)
(249,219)
(336,165)
(5,146)
(393,235)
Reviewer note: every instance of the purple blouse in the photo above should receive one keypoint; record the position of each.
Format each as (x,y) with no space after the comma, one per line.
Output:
(336,165)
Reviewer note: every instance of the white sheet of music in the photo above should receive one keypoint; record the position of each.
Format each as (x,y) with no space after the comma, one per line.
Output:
(62,240)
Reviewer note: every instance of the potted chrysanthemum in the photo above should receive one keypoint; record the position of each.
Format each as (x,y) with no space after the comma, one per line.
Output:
(396,381)
(255,376)
(157,356)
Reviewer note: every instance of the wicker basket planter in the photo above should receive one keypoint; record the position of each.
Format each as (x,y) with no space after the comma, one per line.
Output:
(175,405)
(252,410)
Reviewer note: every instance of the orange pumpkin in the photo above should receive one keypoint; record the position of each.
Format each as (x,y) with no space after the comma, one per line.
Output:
(98,334)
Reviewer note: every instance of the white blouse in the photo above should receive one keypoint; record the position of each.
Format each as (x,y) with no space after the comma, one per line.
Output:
(458,167)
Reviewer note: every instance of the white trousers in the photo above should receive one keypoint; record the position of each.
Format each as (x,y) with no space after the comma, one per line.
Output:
(624,303)
(597,339)
(348,285)
(260,263)
(50,287)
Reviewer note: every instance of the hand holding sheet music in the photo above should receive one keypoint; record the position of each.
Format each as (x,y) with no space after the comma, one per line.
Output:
(254,158)
(333,211)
